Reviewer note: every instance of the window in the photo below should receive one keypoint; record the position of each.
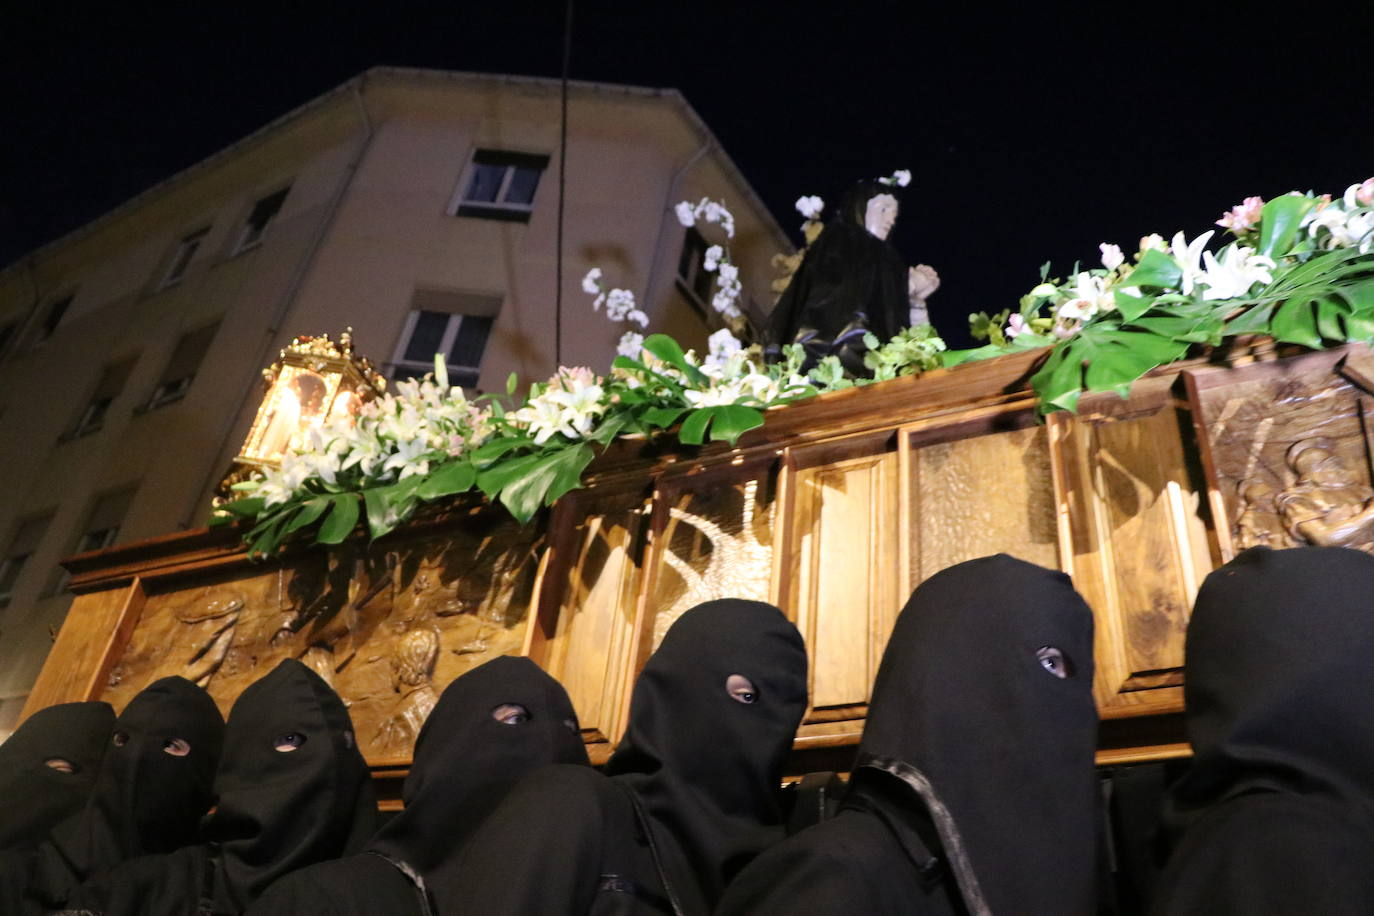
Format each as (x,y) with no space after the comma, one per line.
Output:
(261,216)
(182,367)
(21,549)
(691,268)
(107,515)
(181,258)
(51,318)
(499,185)
(454,324)
(106,390)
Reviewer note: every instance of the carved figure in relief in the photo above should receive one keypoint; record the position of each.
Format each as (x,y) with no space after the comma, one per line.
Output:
(213,619)
(412,676)
(1258,524)
(737,566)
(1328,504)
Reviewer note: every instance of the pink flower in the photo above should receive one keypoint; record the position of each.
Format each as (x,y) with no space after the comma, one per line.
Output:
(1322,202)
(1244,216)
(1365,193)
(1015,325)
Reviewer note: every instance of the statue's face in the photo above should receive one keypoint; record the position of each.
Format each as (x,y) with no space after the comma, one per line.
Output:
(880,214)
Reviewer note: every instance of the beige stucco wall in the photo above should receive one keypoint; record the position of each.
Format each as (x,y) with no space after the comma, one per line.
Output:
(372,169)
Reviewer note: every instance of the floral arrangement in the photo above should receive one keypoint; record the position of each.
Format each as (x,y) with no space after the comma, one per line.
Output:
(717,258)
(1299,267)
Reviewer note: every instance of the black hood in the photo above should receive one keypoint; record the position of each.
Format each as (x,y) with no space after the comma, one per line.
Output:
(998,748)
(1279,676)
(36,795)
(148,799)
(466,761)
(280,810)
(705,767)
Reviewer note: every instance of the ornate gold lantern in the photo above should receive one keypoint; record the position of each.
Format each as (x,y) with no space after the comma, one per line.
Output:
(314,381)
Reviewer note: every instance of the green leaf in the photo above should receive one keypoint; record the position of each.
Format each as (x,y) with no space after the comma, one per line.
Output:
(341,519)
(1155,269)
(246,508)
(451,478)
(1360,296)
(380,517)
(670,351)
(1103,357)
(693,430)
(1359,327)
(610,427)
(733,420)
(1131,307)
(512,382)
(1295,322)
(268,538)
(1192,330)
(548,478)
(310,512)
(493,480)
(1255,320)
(662,417)
(1330,311)
(1279,223)
(484,455)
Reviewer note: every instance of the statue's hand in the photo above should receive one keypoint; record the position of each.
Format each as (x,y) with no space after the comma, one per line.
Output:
(922,282)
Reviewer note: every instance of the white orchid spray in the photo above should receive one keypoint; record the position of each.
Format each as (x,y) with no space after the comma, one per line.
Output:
(620,307)
(717,258)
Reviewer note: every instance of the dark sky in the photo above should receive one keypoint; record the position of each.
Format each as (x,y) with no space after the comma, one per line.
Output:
(1033,135)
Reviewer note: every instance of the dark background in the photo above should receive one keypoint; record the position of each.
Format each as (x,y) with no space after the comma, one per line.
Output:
(1032,135)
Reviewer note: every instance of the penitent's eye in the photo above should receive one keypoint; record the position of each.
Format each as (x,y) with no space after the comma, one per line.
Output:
(1054,661)
(120,739)
(741,689)
(288,742)
(177,747)
(60,765)
(511,714)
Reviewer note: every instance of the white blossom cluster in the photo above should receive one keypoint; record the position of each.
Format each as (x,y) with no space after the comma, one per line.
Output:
(1347,223)
(716,259)
(396,436)
(810,207)
(706,210)
(569,404)
(620,306)
(900,179)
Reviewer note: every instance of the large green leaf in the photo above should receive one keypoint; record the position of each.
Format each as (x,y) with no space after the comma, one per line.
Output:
(1155,269)
(1255,320)
(693,429)
(341,520)
(245,508)
(951,358)
(733,420)
(1102,357)
(1295,322)
(1193,330)
(455,477)
(662,417)
(1131,307)
(495,479)
(547,479)
(670,351)
(310,512)
(1279,223)
(484,455)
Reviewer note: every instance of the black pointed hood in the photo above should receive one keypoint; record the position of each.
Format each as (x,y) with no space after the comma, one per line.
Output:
(706,768)
(1279,677)
(280,810)
(36,795)
(999,749)
(466,761)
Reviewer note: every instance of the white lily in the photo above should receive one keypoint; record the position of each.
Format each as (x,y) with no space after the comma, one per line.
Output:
(1188,257)
(407,460)
(1232,276)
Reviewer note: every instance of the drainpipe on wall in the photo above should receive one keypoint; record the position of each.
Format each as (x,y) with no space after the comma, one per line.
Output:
(667,209)
(219,461)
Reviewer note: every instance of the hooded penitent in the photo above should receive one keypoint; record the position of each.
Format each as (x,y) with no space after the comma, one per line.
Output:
(850,282)
(705,763)
(48,768)
(491,727)
(154,785)
(974,789)
(1277,812)
(970,712)
(293,789)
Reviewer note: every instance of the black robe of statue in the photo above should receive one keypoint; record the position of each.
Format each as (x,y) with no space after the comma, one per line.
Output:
(694,790)
(36,797)
(974,790)
(292,790)
(850,282)
(146,800)
(465,763)
(1277,813)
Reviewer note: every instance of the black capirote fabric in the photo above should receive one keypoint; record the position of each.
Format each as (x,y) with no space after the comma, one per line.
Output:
(850,281)
(1278,692)
(466,760)
(974,789)
(37,796)
(705,768)
(147,799)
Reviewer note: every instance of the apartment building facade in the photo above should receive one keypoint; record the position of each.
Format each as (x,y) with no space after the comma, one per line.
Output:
(418,207)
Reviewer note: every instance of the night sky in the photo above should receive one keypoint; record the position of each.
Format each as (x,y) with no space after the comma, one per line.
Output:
(1032,136)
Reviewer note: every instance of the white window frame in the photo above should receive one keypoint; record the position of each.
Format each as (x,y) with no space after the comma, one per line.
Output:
(245,241)
(188,246)
(455,321)
(461,202)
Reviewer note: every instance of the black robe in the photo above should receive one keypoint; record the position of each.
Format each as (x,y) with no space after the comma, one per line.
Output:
(36,796)
(145,800)
(849,282)
(465,763)
(974,789)
(694,790)
(277,810)
(1276,814)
